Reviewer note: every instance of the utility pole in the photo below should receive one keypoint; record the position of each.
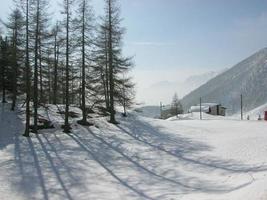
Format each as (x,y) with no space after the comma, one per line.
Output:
(241,106)
(160,107)
(200,108)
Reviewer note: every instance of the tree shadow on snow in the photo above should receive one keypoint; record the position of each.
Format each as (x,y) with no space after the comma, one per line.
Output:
(37,169)
(106,159)
(46,166)
(109,156)
(186,150)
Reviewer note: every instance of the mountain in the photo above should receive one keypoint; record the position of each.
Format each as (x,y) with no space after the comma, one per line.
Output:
(197,80)
(164,90)
(248,78)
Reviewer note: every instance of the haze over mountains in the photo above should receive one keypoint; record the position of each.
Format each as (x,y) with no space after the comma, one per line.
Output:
(248,78)
(164,90)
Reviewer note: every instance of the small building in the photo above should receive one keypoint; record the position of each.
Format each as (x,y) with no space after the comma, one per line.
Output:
(209,108)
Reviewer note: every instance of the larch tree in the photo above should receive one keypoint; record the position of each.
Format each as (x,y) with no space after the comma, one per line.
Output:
(110,66)
(84,27)
(4,65)
(117,64)
(44,50)
(101,69)
(53,65)
(176,106)
(67,12)
(36,56)
(25,4)
(125,93)
(112,15)
(40,33)
(56,42)
(15,26)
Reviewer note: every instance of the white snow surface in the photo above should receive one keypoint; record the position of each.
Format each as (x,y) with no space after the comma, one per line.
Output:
(260,111)
(140,158)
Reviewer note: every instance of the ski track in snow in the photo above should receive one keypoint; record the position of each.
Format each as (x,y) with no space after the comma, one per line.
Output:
(140,158)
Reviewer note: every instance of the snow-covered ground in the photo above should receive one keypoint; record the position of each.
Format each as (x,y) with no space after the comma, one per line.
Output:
(258,112)
(140,158)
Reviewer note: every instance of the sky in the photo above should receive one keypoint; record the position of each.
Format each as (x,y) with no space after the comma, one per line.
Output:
(173,39)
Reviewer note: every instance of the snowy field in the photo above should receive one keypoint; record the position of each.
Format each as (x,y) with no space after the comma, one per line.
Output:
(141,158)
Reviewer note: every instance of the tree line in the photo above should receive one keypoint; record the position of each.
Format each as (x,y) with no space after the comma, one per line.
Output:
(76,60)
(174,109)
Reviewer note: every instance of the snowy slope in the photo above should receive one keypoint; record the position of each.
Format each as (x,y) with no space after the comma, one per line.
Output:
(255,113)
(141,158)
(249,78)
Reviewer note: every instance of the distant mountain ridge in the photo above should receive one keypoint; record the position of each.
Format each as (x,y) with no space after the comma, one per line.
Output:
(166,89)
(248,78)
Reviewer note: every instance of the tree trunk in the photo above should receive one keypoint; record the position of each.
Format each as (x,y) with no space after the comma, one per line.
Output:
(66,124)
(55,68)
(83,65)
(41,73)
(3,84)
(111,78)
(28,86)
(3,72)
(107,72)
(35,93)
(15,67)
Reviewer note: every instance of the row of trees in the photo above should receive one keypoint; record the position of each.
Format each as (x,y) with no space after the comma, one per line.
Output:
(77,60)
(174,109)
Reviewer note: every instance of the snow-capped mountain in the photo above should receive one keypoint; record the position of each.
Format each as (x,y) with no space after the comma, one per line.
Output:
(248,78)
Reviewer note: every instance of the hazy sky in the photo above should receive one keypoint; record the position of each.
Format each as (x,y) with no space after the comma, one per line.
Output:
(171,39)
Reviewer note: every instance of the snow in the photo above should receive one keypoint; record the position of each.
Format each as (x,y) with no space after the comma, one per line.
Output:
(204,108)
(196,116)
(140,158)
(255,113)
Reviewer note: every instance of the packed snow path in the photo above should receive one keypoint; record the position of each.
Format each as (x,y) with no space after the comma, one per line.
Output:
(140,158)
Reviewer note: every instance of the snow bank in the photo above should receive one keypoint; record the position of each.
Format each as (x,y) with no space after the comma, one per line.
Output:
(255,113)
